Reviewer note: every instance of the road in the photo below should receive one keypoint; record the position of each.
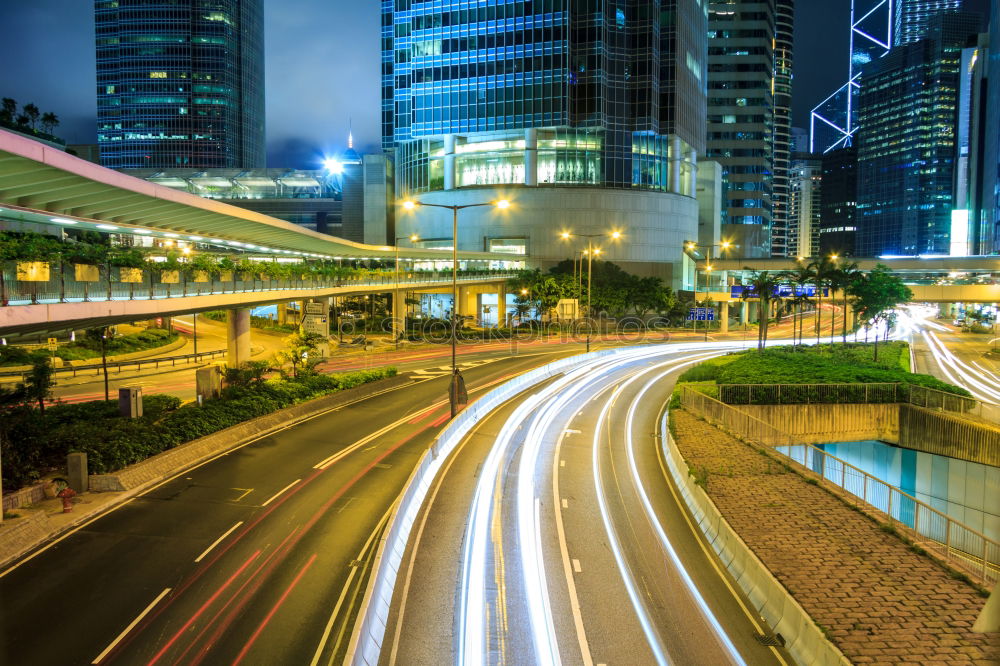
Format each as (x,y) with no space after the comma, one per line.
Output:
(256,556)
(555,536)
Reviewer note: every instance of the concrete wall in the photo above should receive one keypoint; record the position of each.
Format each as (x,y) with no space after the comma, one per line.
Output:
(948,435)
(817,424)
(907,426)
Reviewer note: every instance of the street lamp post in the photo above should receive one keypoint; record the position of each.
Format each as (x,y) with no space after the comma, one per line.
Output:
(411,205)
(725,246)
(590,252)
(413,238)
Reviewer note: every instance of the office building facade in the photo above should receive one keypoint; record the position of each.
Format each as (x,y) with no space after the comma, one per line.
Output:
(589,120)
(782,219)
(741,118)
(804,200)
(838,207)
(907,142)
(180,85)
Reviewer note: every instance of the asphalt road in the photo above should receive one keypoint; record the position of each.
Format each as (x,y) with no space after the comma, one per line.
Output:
(256,557)
(554,535)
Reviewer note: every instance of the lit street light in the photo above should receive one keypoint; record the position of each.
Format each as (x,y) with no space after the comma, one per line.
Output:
(590,252)
(457,384)
(691,246)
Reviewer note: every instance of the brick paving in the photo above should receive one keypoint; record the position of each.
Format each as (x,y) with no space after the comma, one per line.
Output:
(878,601)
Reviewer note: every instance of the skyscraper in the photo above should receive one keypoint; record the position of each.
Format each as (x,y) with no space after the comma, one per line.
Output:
(804,192)
(782,219)
(741,113)
(180,84)
(907,142)
(876,26)
(594,116)
(839,196)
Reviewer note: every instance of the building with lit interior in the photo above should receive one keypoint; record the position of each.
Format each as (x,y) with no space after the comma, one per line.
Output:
(781,216)
(804,196)
(589,120)
(839,197)
(180,85)
(907,142)
(741,117)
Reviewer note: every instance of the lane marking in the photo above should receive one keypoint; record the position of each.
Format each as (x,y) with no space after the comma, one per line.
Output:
(278,494)
(565,504)
(562,463)
(576,566)
(347,585)
(131,626)
(569,431)
(246,491)
(217,542)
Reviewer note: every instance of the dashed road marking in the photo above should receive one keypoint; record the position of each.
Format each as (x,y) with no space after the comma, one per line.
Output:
(576,566)
(277,494)
(565,504)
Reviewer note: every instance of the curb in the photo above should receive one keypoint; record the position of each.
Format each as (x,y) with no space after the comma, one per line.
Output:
(23,536)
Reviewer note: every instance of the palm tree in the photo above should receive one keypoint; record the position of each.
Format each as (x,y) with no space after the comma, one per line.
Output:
(8,110)
(32,112)
(49,122)
(801,278)
(820,271)
(847,275)
(764,284)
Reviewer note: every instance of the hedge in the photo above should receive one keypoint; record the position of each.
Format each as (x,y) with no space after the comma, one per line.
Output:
(33,443)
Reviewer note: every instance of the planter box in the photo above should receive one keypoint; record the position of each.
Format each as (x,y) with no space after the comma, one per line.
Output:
(133,275)
(226,276)
(86,273)
(201,276)
(170,277)
(33,271)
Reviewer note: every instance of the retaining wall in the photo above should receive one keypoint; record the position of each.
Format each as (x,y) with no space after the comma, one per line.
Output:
(803,638)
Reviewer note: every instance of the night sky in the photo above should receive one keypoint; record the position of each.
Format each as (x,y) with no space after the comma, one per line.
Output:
(322,68)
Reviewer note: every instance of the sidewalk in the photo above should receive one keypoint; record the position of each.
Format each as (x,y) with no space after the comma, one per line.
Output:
(874,598)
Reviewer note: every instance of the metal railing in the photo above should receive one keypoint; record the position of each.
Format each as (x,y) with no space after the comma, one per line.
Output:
(957,543)
(782,394)
(62,286)
(117,366)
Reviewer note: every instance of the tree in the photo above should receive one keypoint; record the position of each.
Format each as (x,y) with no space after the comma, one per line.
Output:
(820,272)
(21,120)
(39,381)
(846,276)
(801,279)
(32,112)
(100,336)
(877,294)
(49,122)
(763,285)
(8,110)
(301,352)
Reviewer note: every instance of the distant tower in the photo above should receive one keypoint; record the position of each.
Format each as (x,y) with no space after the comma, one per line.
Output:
(180,84)
(876,26)
(784,25)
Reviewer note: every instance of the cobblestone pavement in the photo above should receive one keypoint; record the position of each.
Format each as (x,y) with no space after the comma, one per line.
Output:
(878,601)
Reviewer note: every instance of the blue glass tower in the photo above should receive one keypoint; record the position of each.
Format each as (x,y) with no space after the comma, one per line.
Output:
(180,84)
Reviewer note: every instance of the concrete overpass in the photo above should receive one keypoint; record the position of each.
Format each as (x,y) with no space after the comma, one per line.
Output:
(45,190)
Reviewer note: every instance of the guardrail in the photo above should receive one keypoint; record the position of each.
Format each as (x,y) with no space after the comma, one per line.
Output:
(62,286)
(967,548)
(139,363)
(369,630)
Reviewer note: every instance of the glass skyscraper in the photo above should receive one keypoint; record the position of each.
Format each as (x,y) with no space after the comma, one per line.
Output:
(907,142)
(741,118)
(545,94)
(912,18)
(180,84)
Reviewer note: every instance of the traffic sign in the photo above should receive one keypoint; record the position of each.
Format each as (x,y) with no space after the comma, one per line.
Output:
(701,314)
(53,344)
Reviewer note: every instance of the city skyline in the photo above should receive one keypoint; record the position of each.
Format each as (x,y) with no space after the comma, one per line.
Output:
(337,35)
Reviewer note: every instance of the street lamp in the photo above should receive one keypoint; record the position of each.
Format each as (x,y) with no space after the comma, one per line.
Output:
(502,204)
(413,238)
(692,246)
(590,252)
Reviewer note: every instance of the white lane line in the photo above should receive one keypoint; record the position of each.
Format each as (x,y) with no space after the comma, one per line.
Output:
(131,626)
(569,431)
(562,463)
(277,494)
(565,504)
(217,542)
(347,586)
(576,566)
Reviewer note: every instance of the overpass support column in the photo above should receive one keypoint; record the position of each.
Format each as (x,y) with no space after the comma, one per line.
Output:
(745,313)
(398,313)
(282,314)
(449,161)
(724,317)
(237,336)
(501,304)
